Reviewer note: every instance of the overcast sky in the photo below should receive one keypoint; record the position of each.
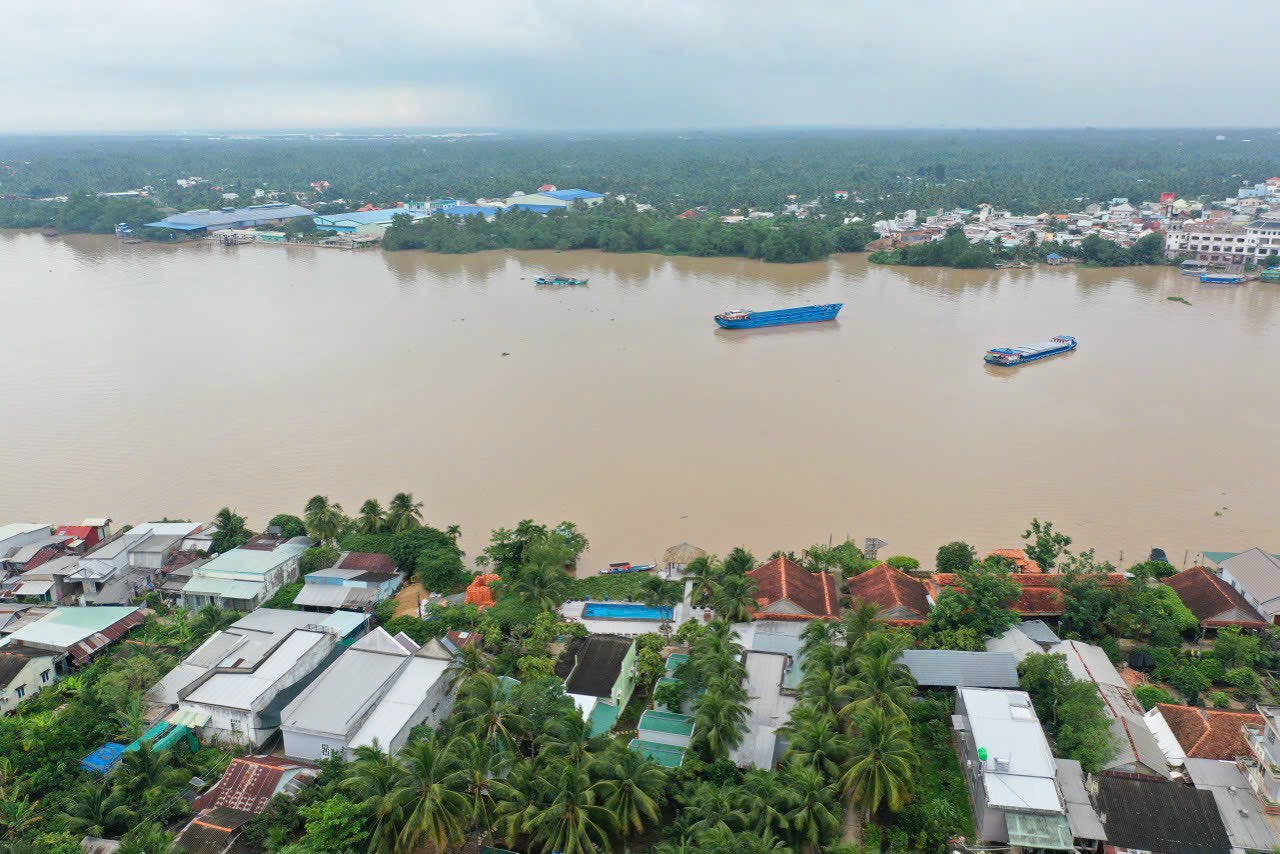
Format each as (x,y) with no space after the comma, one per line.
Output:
(546,64)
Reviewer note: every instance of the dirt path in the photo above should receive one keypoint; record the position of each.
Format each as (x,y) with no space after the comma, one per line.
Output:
(407,599)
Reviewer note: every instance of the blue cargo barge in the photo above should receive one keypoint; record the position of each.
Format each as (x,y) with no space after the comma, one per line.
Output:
(744,319)
(1007,357)
(1220,279)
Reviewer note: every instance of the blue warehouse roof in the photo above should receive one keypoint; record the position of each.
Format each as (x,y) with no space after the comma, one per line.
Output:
(572,195)
(537,208)
(361,217)
(470,210)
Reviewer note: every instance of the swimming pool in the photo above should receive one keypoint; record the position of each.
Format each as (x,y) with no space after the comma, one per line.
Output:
(624,611)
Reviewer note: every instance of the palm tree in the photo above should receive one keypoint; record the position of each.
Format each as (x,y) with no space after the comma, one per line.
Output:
(324,520)
(518,797)
(146,768)
(481,768)
(485,711)
(815,741)
(734,598)
(632,789)
(430,796)
(541,584)
(883,763)
(17,816)
(373,777)
(372,517)
(129,720)
(467,662)
(814,816)
(880,681)
(766,800)
(572,822)
(816,634)
(454,532)
(149,838)
(568,738)
(719,723)
(859,621)
(231,530)
(403,513)
(739,562)
(708,805)
(95,810)
(705,573)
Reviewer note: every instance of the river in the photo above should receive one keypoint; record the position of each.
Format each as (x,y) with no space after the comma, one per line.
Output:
(140,381)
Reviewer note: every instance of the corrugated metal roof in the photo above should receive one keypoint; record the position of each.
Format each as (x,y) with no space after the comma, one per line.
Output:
(364,217)
(1019,770)
(470,210)
(66,627)
(215,218)
(243,690)
(1241,812)
(227,588)
(1038,631)
(248,563)
(951,668)
(337,701)
(1084,819)
(572,195)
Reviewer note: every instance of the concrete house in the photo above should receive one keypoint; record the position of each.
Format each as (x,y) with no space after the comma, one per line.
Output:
(788,591)
(599,676)
(1010,770)
(378,690)
(1214,602)
(902,600)
(234,686)
(769,707)
(243,578)
(663,737)
(356,583)
(18,534)
(1256,574)
(24,672)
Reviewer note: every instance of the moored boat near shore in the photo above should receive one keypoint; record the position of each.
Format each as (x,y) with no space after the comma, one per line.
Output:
(1007,357)
(558,280)
(742,318)
(1221,279)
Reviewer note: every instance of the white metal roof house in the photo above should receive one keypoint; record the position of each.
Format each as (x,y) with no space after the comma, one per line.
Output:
(769,708)
(242,578)
(234,685)
(1010,770)
(18,534)
(1256,574)
(78,632)
(378,690)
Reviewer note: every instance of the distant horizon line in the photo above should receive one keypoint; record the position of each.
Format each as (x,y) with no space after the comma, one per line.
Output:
(460,130)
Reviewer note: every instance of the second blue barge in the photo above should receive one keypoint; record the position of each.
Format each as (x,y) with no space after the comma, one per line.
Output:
(1009,356)
(741,318)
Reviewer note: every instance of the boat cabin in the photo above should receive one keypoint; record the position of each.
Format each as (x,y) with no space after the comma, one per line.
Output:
(734,314)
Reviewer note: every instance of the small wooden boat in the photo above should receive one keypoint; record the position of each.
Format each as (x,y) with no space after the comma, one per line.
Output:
(558,280)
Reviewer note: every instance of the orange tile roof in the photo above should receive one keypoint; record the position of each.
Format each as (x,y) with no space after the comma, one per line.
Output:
(1019,558)
(890,588)
(1041,596)
(1209,597)
(783,578)
(1209,733)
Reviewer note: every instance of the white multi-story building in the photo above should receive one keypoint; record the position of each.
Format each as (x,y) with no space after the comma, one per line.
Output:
(1215,242)
(1266,237)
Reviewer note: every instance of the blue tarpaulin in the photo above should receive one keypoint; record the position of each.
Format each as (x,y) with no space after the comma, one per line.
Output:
(104,758)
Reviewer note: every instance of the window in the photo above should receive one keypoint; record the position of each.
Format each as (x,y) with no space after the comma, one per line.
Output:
(44,677)
(235,725)
(325,751)
(20,691)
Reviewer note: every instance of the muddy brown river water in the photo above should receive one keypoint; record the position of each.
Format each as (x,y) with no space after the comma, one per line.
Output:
(144,381)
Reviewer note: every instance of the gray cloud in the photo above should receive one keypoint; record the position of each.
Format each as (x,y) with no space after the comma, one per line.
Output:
(147,65)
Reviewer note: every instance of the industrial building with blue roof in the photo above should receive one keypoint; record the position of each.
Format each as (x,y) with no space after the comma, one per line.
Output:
(211,220)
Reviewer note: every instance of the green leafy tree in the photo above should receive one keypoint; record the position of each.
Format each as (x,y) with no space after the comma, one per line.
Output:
(955,556)
(1150,695)
(317,558)
(1045,545)
(440,569)
(739,562)
(290,526)
(334,826)
(1234,648)
(981,603)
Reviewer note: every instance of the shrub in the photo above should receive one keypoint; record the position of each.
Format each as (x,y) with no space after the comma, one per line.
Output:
(290,526)
(903,562)
(1149,695)
(1212,670)
(1246,683)
(319,557)
(1220,700)
(955,556)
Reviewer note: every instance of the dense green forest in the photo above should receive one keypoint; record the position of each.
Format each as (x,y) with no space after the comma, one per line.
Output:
(618,227)
(893,170)
(955,250)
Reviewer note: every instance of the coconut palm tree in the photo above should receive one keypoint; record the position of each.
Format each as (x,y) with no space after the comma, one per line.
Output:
(544,585)
(95,810)
(765,801)
(719,723)
(373,777)
(739,562)
(568,738)
(879,681)
(857,623)
(130,720)
(17,816)
(231,530)
(815,741)
(467,662)
(707,806)
(883,761)
(485,711)
(372,518)
(481,768)
(816,634)
(572,821)
(324,519)
(632,789)
(146,768)
(403,513)
(734,598)
(429,794)
(518,797)
(454,532)
(149,838)
(814,816)
(705,573)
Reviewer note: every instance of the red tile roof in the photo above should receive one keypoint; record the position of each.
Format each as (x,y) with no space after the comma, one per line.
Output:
(249,783)
(1019,558)
(369,561)
(41,557)
(784,579)
(1208,733)
(1040,594)
(1209,597)
(890,588)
